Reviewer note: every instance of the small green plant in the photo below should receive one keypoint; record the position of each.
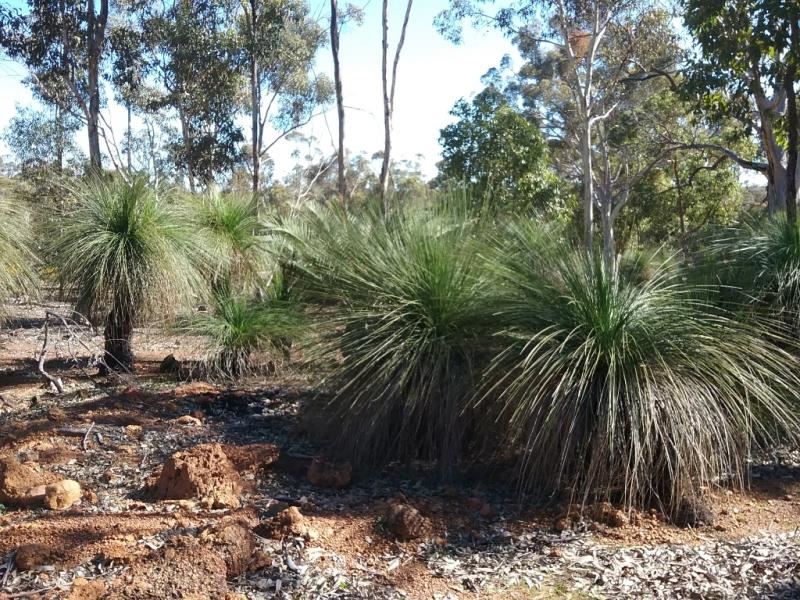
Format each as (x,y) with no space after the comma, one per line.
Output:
(759,264)
(239,329)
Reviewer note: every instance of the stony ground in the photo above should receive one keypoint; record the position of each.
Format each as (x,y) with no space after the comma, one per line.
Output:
(261,519)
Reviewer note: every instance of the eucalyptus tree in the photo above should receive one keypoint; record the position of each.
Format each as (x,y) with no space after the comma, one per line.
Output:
(187,55)
(747,68)
(590,61)
(499,154)
(63,45)
(279,41)
(43,140)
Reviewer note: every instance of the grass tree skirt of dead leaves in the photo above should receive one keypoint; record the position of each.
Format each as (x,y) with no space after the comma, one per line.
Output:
(198,491)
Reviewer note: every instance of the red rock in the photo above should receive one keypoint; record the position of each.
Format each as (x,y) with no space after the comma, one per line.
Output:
(201,473)
(62,495)
(251,457)
(83,589)
(233,540)
(404,521)
(16,480)
(330,475)
(605,514)
(288,522)
(32,556)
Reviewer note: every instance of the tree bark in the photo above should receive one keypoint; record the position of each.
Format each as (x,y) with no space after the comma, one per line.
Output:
(337,77)
(588,187)
(130,140)
(255,100)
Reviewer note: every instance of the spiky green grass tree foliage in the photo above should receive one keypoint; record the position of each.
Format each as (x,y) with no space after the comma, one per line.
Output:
(234,238)
(758,264)
(252,312)
(130,253)
(627,386)
(402,310)
(16,259)
(239,328)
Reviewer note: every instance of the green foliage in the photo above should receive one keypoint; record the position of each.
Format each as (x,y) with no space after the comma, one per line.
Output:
(628,386)
(239,329)
(758,262)
(16,259)
(43,142)
(186,53)
(680,203)
(404,310)
(500,155)
(233,236)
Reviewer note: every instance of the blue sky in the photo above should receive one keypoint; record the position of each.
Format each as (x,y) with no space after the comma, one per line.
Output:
(433,74)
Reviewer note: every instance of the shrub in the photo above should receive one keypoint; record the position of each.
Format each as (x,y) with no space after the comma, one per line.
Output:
(240,328)
(402,323)
(627,386)
(129,252)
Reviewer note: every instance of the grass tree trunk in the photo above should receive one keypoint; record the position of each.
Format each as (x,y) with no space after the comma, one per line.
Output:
(118,333)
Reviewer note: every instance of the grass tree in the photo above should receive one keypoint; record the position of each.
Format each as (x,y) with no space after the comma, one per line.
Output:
(630,386)
(234,238)
(759,264)
(401,322)
(129,252)
(252,311)
(16,259)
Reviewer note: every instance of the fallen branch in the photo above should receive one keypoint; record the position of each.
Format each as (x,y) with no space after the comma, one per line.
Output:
(86,437)
(70,432)
(54,381)
(9,566)
(28,594)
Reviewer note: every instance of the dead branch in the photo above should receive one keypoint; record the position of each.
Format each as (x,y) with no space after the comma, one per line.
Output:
(54,381)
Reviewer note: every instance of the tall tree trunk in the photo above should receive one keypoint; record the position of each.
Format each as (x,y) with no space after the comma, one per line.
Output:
(388,96)
(387,109)
(255,101)
(588,186)
(130,140)
(187,146)
(60,140)
(95,32)
(337,77)
(792,122)
(254,117)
